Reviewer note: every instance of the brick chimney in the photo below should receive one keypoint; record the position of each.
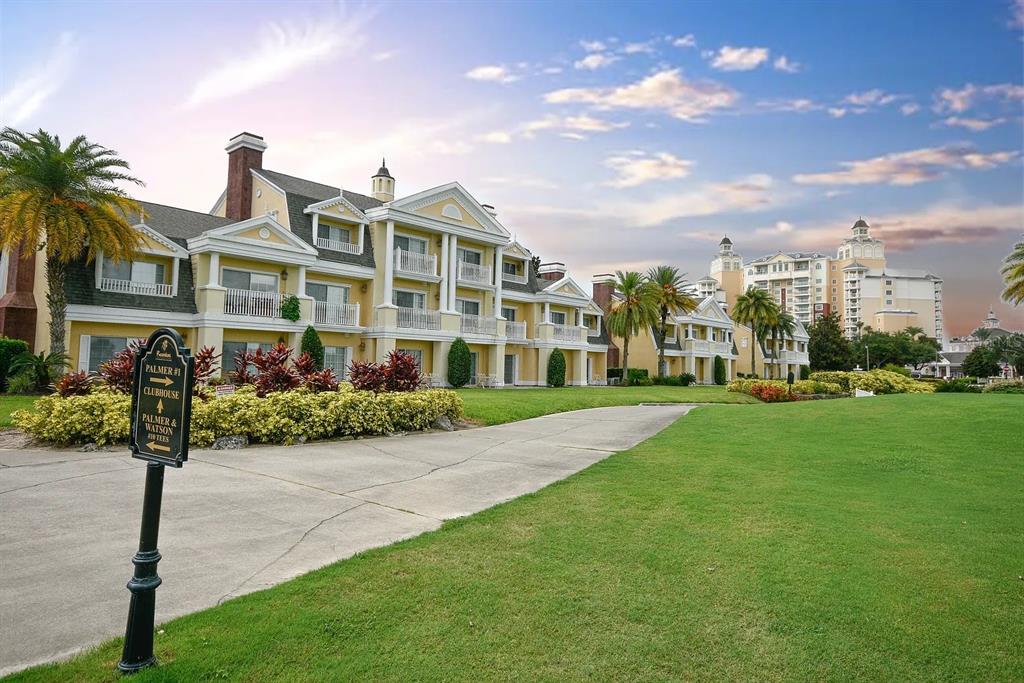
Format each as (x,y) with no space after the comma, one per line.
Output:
(553,271)
(245,152)
(604,285)
(18,305)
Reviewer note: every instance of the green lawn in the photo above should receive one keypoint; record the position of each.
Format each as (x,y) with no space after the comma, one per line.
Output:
(870,539)
(497,406)
(8,404)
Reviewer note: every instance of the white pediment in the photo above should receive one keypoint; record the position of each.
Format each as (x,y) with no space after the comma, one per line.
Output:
(453,204)
(338,207)
(710,308)
(566,287)
(257,236)
(516,250)
(156,244)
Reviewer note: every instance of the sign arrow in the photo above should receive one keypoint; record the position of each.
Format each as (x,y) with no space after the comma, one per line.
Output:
(162,380)
(160,407)
(158,447)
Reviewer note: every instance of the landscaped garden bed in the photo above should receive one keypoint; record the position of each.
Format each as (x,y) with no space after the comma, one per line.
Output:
(830,385)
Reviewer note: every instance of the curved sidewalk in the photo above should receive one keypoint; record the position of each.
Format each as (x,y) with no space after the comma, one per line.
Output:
(239,521)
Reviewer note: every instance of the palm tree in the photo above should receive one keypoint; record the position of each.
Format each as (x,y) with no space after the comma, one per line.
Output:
(64,201)
(672,295)
(783,328)
(914,331)
(756,309)
(1013,275)
(634,307)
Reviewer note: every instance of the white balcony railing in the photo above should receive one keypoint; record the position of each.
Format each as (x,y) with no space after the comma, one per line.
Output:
(109,284)
(478,324)
(793,356)
(338,245)
(413,262)
(512,277)
(251,303)
(515,331)
(471,272)
(570,333)
(721,348)
(419,318)
(671,340)
(326,313)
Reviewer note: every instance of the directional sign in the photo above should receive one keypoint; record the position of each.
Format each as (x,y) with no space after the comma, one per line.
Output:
(162,399)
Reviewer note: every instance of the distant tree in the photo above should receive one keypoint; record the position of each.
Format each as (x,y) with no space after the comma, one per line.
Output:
(556,369)
(1010,349)
(1013,275)
(312,345)
(535,266)
(784,327)
(671,293)
(827,348)
(756,309)
(459,361)
(982,333)
(982,361)
(634,307)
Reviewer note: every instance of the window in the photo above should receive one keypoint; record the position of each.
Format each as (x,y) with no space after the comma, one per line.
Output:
(558,317)
(473,365)
(510,268)
(817,266)
(406,299)
(232,349)
(335,233)
(888,302)
(242,279)
(413,244)
(888,282)
(332,294)
(468,256)
(508,314)
(417,355)
(888,292)
(833,282)
(102,349)
(467,307)
(150,273)
(337,358)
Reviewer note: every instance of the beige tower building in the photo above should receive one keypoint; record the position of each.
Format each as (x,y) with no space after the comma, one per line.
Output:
(727,270)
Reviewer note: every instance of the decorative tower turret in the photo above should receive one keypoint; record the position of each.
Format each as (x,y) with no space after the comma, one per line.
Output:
(382,184)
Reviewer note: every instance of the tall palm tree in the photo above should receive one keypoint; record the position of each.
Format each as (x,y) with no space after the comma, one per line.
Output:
(65,202)
(1013,275)
(782,329)
(914,331)
(756,309)
(634,308)
(671,291)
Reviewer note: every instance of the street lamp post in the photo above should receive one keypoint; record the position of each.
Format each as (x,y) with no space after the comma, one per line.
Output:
(867,355)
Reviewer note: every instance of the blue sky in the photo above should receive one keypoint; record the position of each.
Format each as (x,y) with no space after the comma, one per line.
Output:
(608,135)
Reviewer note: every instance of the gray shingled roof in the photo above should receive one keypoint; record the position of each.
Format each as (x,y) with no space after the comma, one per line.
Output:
(532,286)
(179,224)
(317,192)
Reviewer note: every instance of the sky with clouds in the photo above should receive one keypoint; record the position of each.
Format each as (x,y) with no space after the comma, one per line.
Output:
(608,135)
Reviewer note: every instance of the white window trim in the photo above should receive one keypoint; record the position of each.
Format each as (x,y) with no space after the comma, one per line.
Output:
(460,248)
(408,290)
(277,276)
(478,302)
(331,284)
(417,238)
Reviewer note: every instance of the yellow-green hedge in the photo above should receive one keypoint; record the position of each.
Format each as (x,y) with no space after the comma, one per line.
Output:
(803,386)
(286,417)
(877,381)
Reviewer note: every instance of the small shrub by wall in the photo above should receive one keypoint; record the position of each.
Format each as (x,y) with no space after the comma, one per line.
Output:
(556,369)
(721,376)
(687,378)
(636,375)
(312,345)
(458,363)
(9,350)
(805,372)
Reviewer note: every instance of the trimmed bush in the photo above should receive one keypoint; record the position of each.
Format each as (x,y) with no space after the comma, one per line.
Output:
(877,381)
(614,373)
(637,374)
(898,369)
(1012,386)
(770,392)
(284,417)
(805,372)
(312,345)
(957,386)
(556,369)
(9,350)
(802,387)
(458,363)
(667,381)
(721,376)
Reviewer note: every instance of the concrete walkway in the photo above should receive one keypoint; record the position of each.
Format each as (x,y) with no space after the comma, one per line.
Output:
(239,521)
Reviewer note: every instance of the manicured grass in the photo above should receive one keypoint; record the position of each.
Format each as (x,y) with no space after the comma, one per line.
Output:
(8,404)
(497,406)
(869,539)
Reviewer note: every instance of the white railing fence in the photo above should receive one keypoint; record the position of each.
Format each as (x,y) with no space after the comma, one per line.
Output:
(570,333)
(248,302)
(515,331)
(109,284)
(336,314)
(471,272)
(413,262)
(338,245)
(512,277)
(478,324)
(419,318)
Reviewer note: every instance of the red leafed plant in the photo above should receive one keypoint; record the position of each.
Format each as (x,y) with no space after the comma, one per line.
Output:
(304,364)
(242,374)
(274,372)
(321,380)
(770,393)
(402,372)
(117,372)
(205,364)
(75,384)
(367,376)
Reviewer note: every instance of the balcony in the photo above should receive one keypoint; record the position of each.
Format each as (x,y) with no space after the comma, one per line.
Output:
(344,315)
(473,273)
(252,303)
(515,332)
(415,263)
(569,333)
(671,339)
(512,277)
(799,357)
(338,245)
(478,324)
(109,284)
(419,318)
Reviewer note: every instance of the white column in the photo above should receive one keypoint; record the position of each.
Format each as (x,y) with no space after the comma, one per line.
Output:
(453,251)
(499,253)
(175,267)
(316,228)
(445,306)
(389,262)
(302,281)
(689,331)
(214,278)
(547,312)
(362,232)
(579,317)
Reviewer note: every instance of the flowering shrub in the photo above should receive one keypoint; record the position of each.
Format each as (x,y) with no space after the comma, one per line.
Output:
(206,365)
(117,372)
(876,381)
(74,384)
(802,387)
(770,392)
(283,417)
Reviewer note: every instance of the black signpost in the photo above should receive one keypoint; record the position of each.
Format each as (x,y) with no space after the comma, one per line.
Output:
(161,411)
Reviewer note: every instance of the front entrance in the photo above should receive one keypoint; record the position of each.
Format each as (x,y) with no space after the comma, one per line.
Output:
(510,369)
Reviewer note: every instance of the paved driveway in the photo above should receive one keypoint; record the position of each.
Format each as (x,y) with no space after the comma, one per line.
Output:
(239,521)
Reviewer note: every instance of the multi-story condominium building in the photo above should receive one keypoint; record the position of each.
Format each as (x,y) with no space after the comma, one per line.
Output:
(691,344)
(857,284)
(372,273)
